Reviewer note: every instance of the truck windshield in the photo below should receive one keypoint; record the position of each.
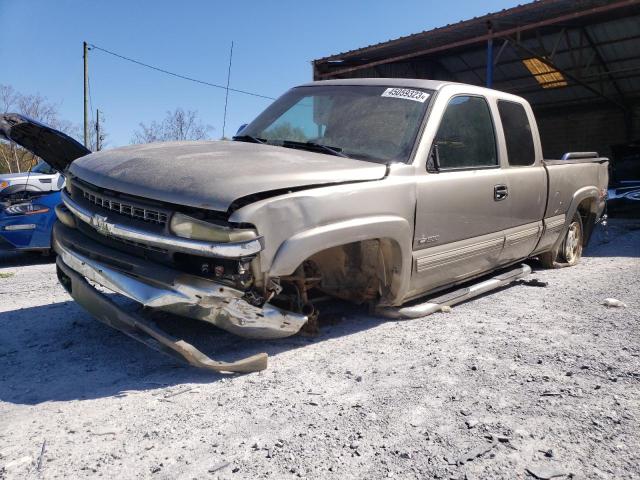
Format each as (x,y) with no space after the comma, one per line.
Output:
(374,123)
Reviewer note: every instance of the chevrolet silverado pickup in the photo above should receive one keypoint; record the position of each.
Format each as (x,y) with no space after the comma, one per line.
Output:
(370,190)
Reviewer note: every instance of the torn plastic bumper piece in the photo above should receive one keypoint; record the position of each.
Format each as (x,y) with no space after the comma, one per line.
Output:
(106,311)
(161,288)
(434,305)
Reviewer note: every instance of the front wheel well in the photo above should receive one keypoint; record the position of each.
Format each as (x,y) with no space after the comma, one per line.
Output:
(362,271)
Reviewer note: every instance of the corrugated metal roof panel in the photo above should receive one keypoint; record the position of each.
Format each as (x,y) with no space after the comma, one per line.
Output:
(596,48)
(518,15)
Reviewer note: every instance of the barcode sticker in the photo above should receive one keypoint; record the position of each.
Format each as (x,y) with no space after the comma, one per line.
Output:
(406,93)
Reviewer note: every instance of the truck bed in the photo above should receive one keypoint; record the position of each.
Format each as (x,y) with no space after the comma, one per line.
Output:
(570,182)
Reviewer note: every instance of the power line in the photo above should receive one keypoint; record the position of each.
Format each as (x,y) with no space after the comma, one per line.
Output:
(184,77)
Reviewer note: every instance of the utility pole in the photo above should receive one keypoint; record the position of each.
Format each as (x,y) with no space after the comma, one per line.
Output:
(85,58)
(226,98)
(97,130)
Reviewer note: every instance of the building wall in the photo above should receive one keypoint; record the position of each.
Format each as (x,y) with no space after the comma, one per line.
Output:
(592,129)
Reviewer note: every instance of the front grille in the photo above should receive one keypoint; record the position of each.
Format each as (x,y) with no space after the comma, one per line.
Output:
(114,242)
(123,207)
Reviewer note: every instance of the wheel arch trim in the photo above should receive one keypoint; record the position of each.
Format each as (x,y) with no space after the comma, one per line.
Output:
(303,245)
(585,193)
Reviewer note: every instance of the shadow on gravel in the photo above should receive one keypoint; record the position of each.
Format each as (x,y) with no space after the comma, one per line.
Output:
(58,353)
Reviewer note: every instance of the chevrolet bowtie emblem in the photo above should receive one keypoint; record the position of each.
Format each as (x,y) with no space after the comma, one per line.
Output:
(100,224)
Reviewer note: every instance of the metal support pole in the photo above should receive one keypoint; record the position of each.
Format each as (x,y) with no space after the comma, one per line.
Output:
(85,58)
(489,55)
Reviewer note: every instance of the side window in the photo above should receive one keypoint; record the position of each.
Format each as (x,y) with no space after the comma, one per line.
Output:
(517,133)
(466,137)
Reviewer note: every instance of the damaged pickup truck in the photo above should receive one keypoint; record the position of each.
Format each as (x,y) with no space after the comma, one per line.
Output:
(370,190)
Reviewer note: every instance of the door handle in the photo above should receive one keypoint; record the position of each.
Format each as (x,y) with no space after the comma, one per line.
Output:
(500,192)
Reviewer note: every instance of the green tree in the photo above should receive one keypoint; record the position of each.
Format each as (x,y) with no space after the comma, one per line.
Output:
(284,131)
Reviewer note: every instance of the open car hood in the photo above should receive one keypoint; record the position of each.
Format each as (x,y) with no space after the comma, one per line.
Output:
(52,146)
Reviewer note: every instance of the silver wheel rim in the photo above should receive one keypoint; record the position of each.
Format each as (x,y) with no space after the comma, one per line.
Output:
(572,243)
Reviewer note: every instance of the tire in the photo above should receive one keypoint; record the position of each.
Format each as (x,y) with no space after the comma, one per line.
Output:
(570,250)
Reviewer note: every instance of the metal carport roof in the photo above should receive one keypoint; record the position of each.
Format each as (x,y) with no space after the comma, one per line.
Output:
(589,51)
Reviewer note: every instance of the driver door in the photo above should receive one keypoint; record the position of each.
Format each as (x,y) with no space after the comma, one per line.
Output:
(461,211)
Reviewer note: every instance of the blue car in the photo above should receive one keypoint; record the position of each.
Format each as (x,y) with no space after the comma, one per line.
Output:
(27,218)
(26,225)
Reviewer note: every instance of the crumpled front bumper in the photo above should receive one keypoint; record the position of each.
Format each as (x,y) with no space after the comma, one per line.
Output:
(159,287)
(145,331)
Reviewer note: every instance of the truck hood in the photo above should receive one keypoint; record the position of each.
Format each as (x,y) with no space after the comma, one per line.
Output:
(211,175)
(51,145)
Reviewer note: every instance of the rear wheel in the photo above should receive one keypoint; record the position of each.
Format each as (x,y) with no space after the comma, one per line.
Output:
(570,250)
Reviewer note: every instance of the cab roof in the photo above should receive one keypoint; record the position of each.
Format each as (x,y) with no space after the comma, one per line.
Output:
(388,82)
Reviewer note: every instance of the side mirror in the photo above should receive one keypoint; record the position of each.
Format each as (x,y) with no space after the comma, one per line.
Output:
(433,162)
(242,127)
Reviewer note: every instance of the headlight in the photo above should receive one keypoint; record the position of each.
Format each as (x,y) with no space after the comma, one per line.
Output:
(4,184)
(25,209)
(188,227)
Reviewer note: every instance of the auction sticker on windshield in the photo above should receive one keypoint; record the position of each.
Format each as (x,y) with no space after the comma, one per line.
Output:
(406,93)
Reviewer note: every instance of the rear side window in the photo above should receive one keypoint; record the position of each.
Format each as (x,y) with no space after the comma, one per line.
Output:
(466,137)
(517,133)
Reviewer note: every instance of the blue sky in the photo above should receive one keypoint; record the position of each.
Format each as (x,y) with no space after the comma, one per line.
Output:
(41,50)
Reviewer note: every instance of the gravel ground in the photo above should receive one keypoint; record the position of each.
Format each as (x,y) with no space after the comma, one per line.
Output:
(526,381)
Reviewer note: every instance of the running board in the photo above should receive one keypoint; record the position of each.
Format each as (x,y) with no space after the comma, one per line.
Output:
(453,298)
